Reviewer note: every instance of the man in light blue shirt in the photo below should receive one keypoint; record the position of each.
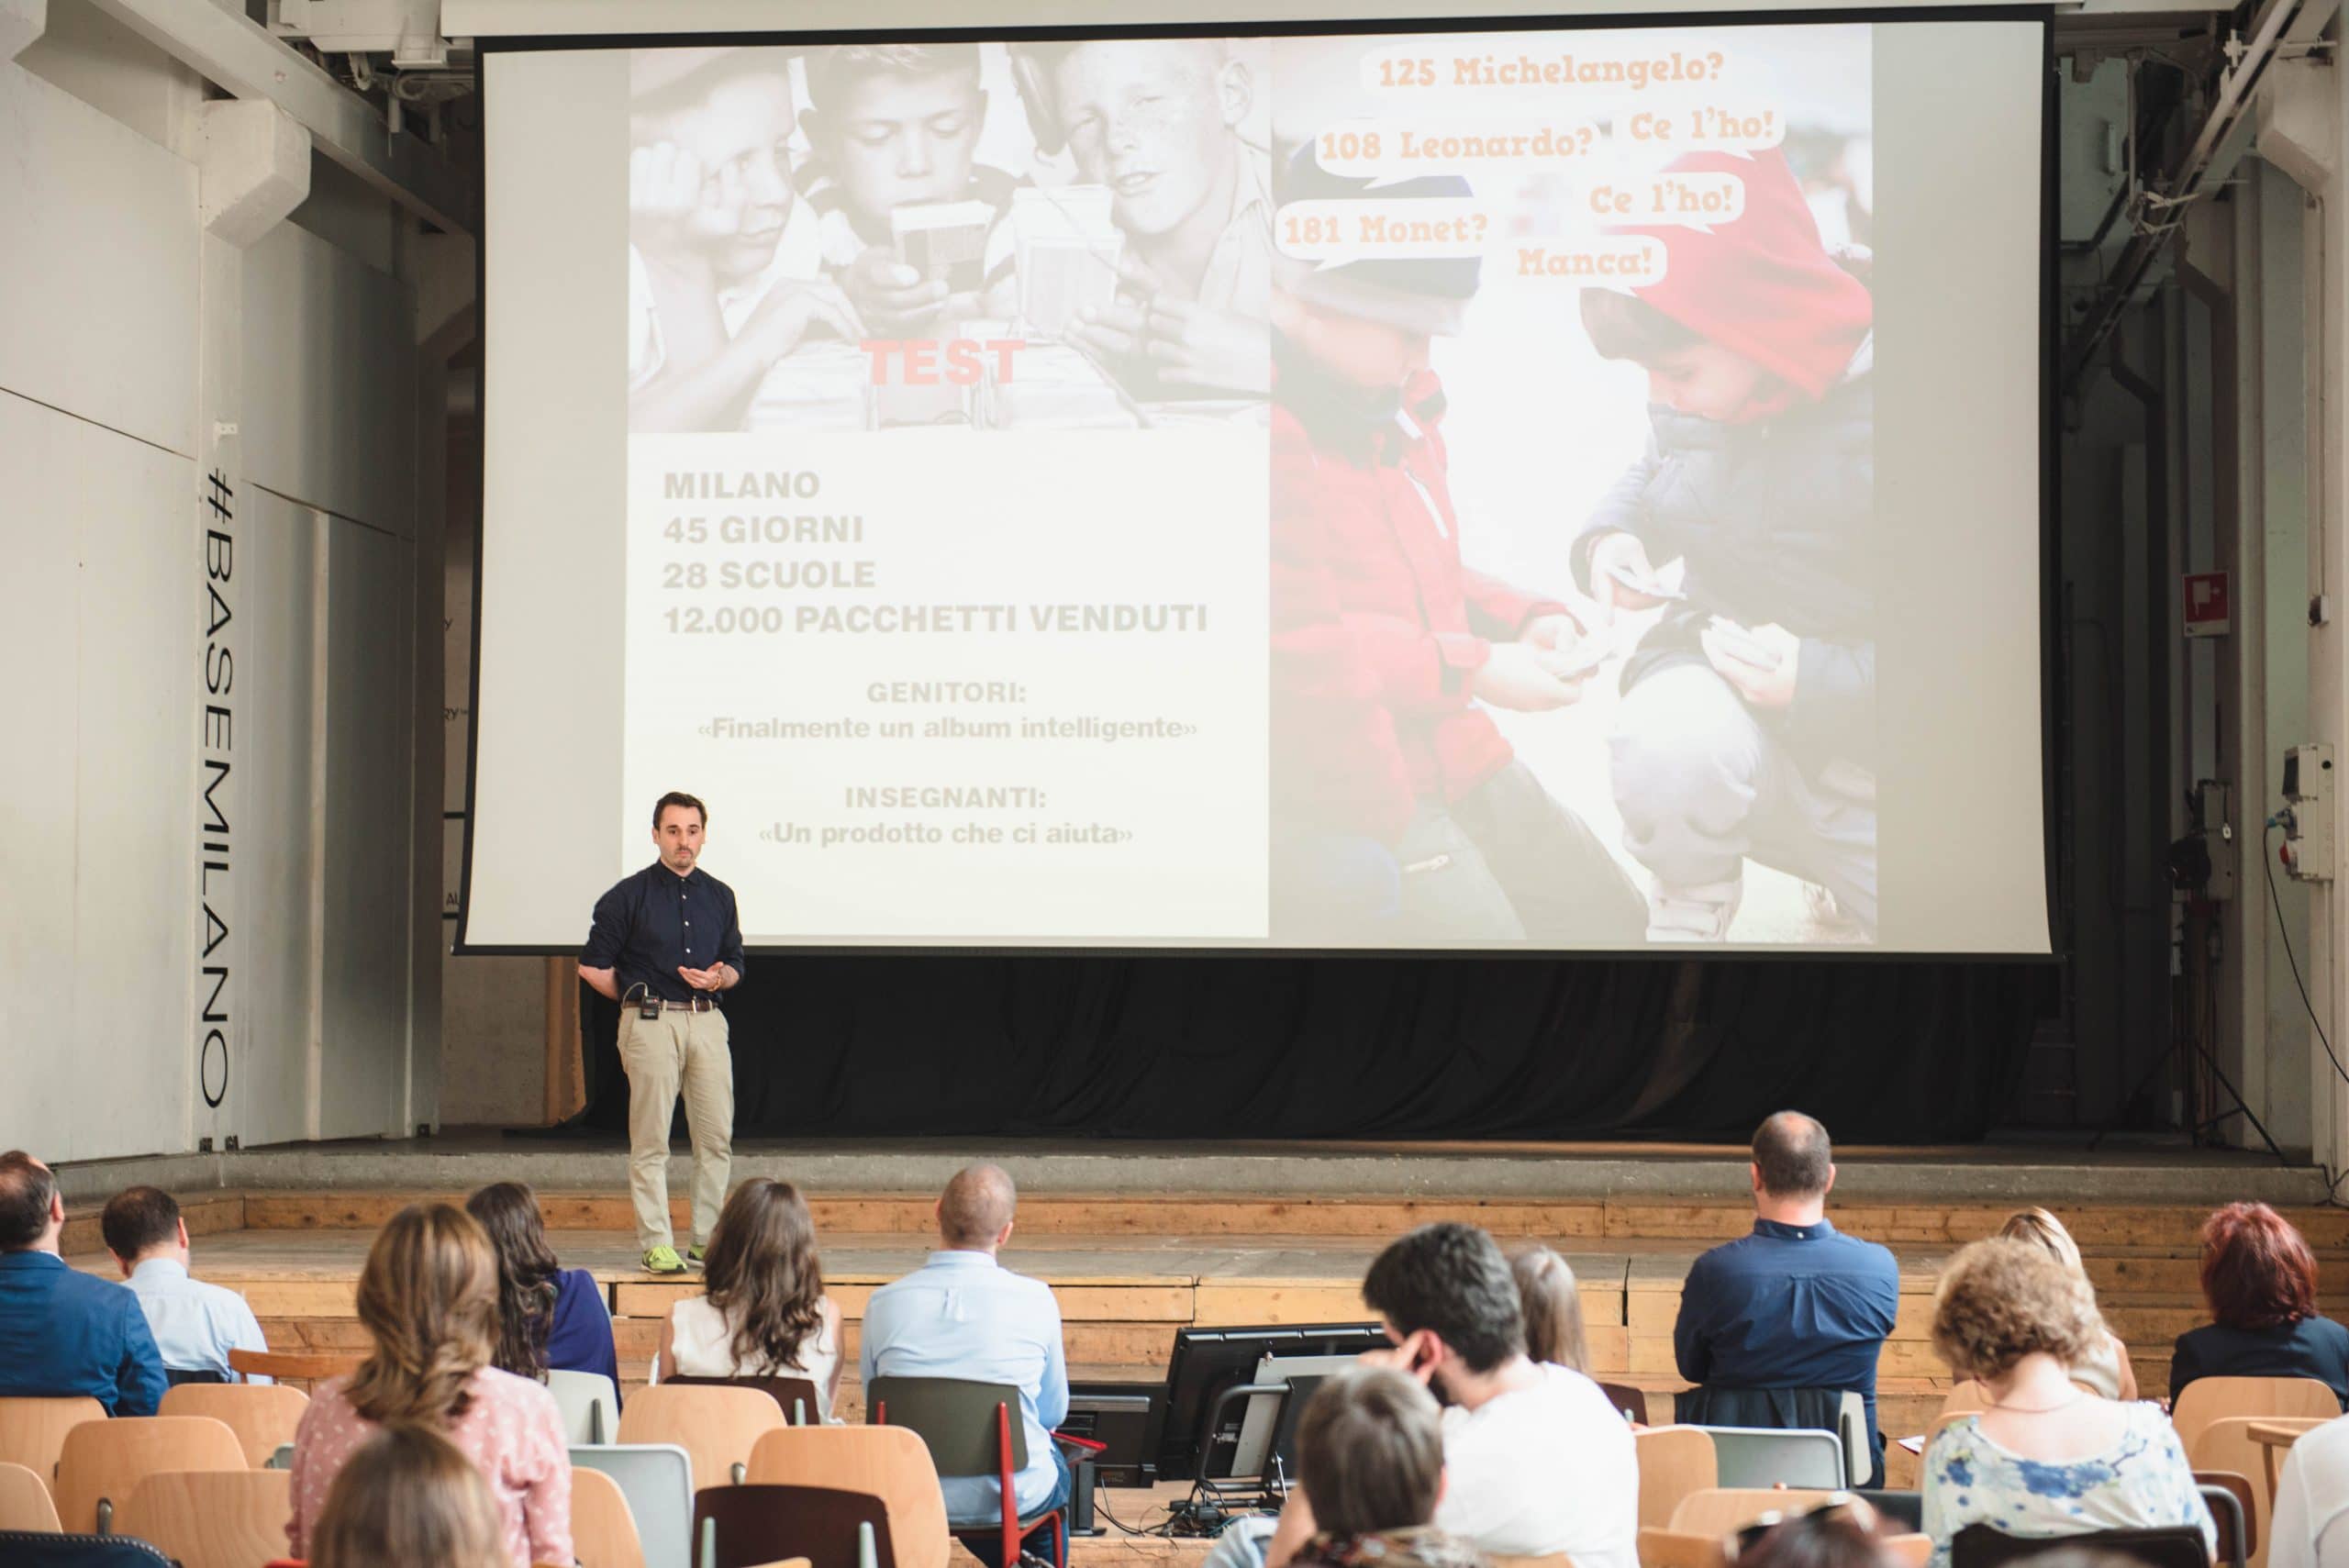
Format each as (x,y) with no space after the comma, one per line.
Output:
(961,1314)
(196,1325)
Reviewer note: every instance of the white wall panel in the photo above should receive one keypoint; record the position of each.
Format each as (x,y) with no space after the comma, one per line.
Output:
(369,779)
(329,381)
(279,567)
(97,265)
(97,803)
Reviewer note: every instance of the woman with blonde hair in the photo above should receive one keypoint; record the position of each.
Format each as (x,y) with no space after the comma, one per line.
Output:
(2047,1458)
(408,1496)
(2106,1371)
(762,1311)
(428,1297)
(1545,1289)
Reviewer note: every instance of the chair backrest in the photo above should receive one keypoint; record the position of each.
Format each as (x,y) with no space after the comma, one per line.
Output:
(1908,1550)
(717,1427)
(1632,1402)
(24,1500)
(962,1421)
(104,1461)
(796,1396)
(217,1519)
(1673,1463)
(23,1549)
(1721,1510)
(1771,1456)
(603,1530)
(2225,1445)
(889,1462)
(1851,1429)
(2209,1399)
(32,1431)
(757,1522)
(301,1366)
(657,1480)
(590,1406)
(263,1415)
(1900,1510)
(2173,1546)
(1660,1548)
(2230,1511)
(1549,1560)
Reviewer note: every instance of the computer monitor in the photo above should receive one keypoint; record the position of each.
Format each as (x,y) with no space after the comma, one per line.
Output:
(1206,1361)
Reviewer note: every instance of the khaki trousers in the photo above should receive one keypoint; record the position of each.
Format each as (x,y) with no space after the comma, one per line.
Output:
(660,1054)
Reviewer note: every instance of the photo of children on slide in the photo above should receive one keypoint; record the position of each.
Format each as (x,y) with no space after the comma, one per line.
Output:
(1573,534)
(1065,235)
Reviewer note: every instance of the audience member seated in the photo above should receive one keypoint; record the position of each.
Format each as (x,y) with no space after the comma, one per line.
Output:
(763,1312)
(1536,1461)
(409,1496)
(1553,1308)
(63,1332)
(961,1315)
(1370,1455)
(2259,1278)
(2312,1498)
(2047,1458)
(2107,1371)
(550,1319)
(1775,1327)
(428,1297)
(196,1325)
(1843,1532)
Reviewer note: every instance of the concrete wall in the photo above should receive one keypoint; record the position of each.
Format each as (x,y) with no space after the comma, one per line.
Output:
(147,342)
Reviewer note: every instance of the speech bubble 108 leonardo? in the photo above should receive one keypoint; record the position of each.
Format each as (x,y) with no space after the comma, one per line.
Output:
(1407,148)
(1333,232)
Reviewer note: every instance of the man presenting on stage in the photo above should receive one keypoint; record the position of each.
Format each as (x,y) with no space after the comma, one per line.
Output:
(665,943)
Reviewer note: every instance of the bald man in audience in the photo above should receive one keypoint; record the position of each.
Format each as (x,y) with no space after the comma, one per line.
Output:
(961,1315)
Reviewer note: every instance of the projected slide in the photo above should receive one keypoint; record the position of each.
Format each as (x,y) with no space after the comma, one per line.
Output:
(1432,491)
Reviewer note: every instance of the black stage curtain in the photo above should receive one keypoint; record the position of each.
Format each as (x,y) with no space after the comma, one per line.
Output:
(1883,1050)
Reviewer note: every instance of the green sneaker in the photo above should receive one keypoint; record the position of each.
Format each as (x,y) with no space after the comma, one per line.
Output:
(664,1260)
(696,1254)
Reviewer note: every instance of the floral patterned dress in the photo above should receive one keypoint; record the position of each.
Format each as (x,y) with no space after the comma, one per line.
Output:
(2141,1481)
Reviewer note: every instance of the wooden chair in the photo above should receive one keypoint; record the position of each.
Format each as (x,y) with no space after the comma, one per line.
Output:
(797,1398)
(2228,1498)
(2172,1546)
(2225,1445)
(32,1431)
(973,1429)
(226,1518)
(1724,1510)
(1632,1402)
(2209,1399)
(1661,1548)
(263,1415)
(603,1530)
(1673,1463)
(718,1427)
(301,1366)
(24,1500)
(104,1461)
(1551,1560)
(1908,1550)
(747,1524)
(888,1461)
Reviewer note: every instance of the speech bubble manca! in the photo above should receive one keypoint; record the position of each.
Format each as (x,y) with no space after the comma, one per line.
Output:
(1586,261)
(1333,232)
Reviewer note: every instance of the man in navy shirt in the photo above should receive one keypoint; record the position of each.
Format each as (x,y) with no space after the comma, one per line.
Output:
(61,1331)
(1795,1305)
(665,942)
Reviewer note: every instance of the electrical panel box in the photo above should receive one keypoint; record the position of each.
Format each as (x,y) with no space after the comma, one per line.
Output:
(2307,816)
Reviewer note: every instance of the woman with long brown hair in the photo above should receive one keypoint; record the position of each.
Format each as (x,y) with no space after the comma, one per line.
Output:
(427,1297)
(409,1496)
(1546,1290)
(763,1312)
(548,1318)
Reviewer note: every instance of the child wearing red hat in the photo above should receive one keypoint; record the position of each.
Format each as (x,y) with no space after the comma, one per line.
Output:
(1385,643)
(1747,728)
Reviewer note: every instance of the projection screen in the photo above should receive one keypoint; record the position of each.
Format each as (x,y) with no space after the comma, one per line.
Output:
(1575,488)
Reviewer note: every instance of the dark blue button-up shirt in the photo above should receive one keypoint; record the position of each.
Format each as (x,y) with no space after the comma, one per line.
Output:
(1788,1307)
(65,1332)
(656,922)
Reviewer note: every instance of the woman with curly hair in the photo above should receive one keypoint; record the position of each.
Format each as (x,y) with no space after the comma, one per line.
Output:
(2259,1278)
(763,1312)
(2047,1458)
(548,1318)
(428,1297)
